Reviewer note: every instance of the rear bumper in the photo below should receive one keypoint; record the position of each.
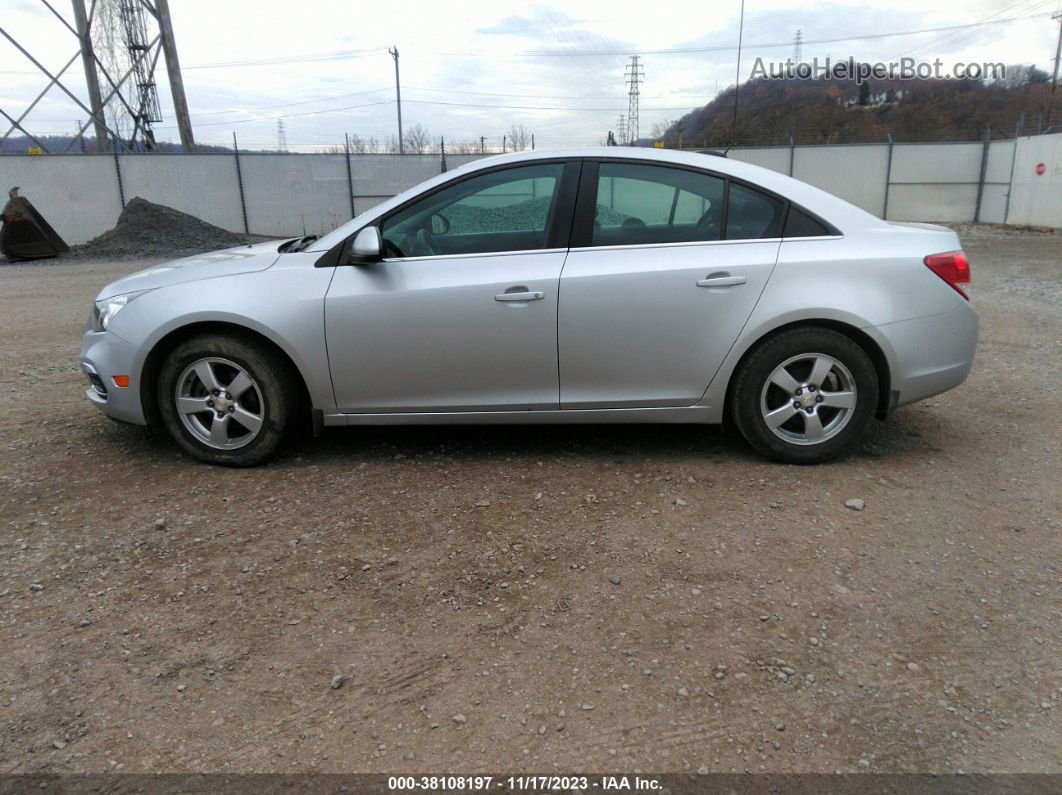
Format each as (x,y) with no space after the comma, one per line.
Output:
(931,354)
(103,356)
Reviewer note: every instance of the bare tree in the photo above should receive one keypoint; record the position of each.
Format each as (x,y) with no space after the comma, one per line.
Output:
(659,131)
(468,146)
(358,145)
(417,138)
(390,144)
(519,136)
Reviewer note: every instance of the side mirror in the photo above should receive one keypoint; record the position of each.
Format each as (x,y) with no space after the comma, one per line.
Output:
(367,246)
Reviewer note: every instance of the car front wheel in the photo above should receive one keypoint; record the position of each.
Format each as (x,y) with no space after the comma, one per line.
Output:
(805,395)
(225,400)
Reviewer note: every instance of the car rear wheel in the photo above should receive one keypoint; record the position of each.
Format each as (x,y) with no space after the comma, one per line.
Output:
(804,396)
(226,400)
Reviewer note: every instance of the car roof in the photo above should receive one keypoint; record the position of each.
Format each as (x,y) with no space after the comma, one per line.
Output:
(840,213)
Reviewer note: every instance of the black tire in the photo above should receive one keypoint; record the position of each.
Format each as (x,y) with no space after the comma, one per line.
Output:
(752,395)
(274,398)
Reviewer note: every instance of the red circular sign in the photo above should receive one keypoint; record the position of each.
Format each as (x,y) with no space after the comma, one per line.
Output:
(1040,169)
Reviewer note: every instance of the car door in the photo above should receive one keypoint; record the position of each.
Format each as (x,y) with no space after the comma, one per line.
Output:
(665,268)
(461,314)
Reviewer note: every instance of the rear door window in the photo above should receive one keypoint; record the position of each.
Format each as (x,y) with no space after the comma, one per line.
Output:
(752,215)
(644,204)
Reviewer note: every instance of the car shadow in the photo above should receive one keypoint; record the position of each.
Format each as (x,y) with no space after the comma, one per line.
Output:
(468,442)
(904,434)
(901,435)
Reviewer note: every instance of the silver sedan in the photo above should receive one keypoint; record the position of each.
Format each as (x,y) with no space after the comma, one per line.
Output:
(611,285)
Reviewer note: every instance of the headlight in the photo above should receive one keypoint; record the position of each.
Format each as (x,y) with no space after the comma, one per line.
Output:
(103,312)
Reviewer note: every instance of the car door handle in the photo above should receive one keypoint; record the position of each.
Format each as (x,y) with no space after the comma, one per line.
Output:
(721,281)
(531,295)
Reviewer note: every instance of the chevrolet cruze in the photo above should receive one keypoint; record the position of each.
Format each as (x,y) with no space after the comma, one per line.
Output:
(613,285)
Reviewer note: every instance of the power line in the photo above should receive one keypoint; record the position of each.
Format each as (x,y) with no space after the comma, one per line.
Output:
(534,107)
(546,96)
(289,104)
(289,115)
(759,45)
(980,26)
(321,56)
(341,54)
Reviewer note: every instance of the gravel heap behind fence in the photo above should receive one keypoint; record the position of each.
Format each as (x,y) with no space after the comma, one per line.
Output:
(147,229)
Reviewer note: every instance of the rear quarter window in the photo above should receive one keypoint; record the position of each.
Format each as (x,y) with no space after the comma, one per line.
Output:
(800,224)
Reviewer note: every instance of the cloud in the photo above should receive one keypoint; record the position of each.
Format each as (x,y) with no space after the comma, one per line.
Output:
(458,71)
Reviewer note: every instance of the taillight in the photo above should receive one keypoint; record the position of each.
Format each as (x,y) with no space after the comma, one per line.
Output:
(952,267)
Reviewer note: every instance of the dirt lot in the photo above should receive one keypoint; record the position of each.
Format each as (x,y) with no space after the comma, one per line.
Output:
(536,599)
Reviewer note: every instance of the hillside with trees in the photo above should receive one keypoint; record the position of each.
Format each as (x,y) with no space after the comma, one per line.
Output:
(822,111)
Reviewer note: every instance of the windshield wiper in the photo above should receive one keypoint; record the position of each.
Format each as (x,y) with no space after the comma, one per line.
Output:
(299,244)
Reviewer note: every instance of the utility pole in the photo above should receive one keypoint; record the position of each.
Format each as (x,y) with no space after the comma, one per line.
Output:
(737,76)
(1054,79)
(634,75)
(503,143)
(173,71)
(92,80)
(282,137)
(398,98)
(482,144)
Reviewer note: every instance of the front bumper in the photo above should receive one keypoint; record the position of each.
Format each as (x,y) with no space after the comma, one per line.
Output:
(103,356)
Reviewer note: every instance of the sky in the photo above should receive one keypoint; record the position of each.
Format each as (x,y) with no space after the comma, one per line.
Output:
(471,69)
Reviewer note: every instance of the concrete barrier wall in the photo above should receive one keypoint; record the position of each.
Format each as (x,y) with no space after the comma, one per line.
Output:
(77,194)
(855,173)
(295,194)
(934,182)
(1035,196)
(997,182)
(775,158)
(283,194)
(201,185)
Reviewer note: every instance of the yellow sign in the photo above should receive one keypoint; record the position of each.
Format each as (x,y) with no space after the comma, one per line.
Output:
(34,150)
(658,144)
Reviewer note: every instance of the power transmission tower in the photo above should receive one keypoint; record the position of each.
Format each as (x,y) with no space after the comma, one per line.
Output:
(621,128)
(147,111)
(124,33)
(798,46)
(161,12)
(92,80)
(634,75)
(282,138)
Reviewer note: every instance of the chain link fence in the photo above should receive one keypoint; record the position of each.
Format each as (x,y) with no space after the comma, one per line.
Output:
(282,194)
(1016,181)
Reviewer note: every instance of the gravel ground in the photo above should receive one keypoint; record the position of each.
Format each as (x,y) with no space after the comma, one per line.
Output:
(536,599)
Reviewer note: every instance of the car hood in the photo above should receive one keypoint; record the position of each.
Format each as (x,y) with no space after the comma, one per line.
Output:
(227,262)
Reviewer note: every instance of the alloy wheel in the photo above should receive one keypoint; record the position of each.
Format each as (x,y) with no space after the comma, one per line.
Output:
(808,399)
(220,403)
